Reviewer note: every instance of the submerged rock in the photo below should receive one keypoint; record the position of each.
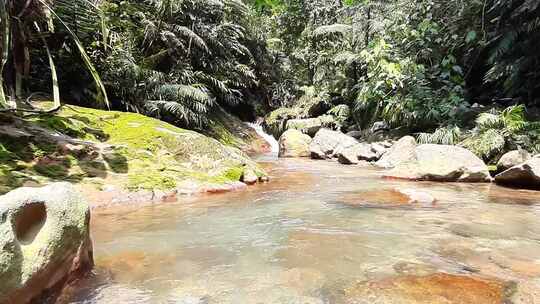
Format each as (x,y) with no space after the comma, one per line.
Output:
(512,158)
(389,198)
(442,163)
(44,241)
(440,288)
(328,143)
(294,143)
(526,175)
(403,150)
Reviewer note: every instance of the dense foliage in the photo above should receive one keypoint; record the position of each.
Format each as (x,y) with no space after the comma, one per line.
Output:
(426,65)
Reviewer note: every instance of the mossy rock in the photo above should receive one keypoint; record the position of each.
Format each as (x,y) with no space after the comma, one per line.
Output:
(139,152)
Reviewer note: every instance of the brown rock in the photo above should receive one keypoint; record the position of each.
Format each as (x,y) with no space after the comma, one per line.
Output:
(438,288)
(389,198)
(526,175)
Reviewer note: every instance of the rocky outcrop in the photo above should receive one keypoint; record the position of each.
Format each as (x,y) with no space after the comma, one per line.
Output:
(294,143)
(525,175)
(358,152)
(127,150)
(403,150)
(512,158)
(44,241)
(328,143)
(442,163)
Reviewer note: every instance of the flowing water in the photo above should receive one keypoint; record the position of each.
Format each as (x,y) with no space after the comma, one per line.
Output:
(303,238)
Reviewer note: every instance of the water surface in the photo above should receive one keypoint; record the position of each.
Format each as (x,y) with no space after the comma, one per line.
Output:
(301,239)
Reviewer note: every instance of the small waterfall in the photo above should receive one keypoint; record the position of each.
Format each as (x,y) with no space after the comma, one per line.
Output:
(269,138)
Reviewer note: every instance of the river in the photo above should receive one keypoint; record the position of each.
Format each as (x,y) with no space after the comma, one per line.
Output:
(305,238)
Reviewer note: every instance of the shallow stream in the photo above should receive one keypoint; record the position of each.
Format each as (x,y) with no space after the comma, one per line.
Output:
(304,238)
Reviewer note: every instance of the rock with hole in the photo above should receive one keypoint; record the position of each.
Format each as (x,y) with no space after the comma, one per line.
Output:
(44,241)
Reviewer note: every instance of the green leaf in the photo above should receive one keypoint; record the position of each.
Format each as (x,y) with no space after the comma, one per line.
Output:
(471,36)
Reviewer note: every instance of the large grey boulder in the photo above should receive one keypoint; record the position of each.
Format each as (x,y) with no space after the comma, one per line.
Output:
(328,143)
(403,150)
(359,152)
(294,143)
(513,158)
(525,175)
(44,241)
(442,163)
(379,149)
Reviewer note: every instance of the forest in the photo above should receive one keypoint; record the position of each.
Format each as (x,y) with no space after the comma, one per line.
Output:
(454,72)
(270,151)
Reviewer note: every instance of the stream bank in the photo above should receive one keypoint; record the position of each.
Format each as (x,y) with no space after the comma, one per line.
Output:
(118,157)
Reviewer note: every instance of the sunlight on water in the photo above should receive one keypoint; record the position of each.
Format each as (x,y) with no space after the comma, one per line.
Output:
(302,239)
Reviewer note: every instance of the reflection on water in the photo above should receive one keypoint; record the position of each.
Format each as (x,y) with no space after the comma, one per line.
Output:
(299,239)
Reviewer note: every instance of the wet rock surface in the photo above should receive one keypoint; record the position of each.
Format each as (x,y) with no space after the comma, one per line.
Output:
(388,198)
(440,288)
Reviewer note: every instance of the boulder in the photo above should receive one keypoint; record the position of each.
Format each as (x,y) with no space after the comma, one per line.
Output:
(328,143)
(365,152)
(526,175)
(512,158)
(442,163)
(355,134)
(360,151)
(294,143)
(44,241)
(402,151)
(378,149)
(348,156)
(309,126)
(378,126)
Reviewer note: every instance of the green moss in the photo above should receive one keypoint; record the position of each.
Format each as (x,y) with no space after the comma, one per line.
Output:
(8,180)
(146,153)
(147,181)
(5,154)
(234,174)
(55,171)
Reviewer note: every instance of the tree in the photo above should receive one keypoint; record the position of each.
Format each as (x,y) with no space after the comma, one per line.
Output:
(25,25)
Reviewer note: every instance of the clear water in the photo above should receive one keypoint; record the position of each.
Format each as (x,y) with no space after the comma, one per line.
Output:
(295,240)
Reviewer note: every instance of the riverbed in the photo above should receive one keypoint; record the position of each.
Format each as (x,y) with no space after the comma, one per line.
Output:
(306,238)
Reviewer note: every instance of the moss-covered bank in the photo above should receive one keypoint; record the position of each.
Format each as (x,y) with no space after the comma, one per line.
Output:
(127,150)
